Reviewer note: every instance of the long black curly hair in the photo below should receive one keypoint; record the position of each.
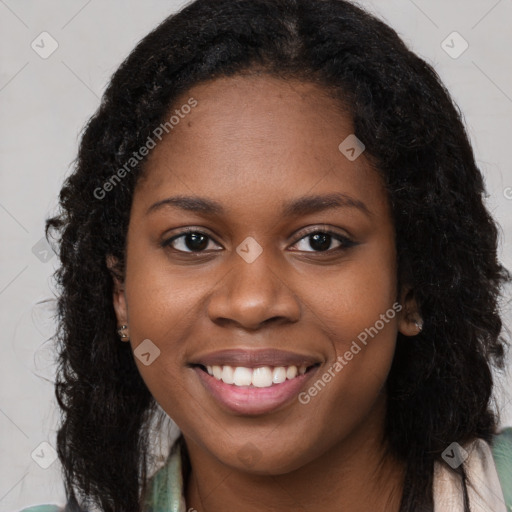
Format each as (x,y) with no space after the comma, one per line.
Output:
(439,387)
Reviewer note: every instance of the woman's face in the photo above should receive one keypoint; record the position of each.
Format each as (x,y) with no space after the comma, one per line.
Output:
(253,286)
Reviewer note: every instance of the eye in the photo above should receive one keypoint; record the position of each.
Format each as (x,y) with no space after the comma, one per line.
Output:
(188,241)
(321,240)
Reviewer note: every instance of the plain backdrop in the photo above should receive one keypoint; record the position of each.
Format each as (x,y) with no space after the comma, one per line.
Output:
(44,104)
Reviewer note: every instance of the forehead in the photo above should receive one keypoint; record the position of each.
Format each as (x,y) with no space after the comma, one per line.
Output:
(256,140)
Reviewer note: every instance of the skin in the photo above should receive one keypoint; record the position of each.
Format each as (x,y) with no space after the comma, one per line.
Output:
(253,144)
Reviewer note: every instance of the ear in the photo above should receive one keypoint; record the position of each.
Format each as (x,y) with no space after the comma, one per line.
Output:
(410,322)
(118,298)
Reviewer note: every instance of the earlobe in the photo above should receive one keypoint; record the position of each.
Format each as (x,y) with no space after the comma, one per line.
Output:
(410,322)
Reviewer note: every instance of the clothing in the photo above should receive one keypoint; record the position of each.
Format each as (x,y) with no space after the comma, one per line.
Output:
(484,489)
(489,473)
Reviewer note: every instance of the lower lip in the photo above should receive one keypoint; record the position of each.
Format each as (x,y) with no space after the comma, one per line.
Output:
(252,400)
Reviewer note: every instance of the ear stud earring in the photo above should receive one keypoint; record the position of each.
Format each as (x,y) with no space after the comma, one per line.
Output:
(419,326)
(122,333)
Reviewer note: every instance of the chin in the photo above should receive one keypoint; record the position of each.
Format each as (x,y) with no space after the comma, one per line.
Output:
(270,459)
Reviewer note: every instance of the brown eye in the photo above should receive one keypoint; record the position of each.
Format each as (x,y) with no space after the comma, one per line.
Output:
(189,241)
(322,240)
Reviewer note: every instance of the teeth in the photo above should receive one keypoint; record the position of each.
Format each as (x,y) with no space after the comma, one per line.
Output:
(228,375)
(217,372)
(242,376)
(279,375)
(261,377)
(291,372)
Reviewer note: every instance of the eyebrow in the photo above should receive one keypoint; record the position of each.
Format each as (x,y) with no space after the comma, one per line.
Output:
(301,206)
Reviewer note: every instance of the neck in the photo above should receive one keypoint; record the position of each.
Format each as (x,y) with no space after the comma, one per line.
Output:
(356,475)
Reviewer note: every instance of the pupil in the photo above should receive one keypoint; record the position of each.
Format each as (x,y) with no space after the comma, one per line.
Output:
(196,242)
(320,242)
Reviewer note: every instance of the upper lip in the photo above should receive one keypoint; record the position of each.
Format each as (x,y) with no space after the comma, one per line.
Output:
(253,358)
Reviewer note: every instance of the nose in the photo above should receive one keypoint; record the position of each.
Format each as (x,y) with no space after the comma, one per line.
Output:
(254,294)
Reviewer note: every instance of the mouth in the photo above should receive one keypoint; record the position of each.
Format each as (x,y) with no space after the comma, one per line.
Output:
(248,382)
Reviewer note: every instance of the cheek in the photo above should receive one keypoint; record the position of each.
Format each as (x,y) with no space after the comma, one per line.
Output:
(157,304)
(359,314)
(355,296)
(164,306)
(160,299)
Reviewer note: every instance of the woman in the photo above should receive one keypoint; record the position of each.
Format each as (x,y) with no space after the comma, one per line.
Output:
(277,209)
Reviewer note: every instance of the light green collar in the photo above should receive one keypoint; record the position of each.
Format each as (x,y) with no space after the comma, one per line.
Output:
(166,486)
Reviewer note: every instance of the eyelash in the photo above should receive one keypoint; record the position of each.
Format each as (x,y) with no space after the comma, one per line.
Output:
(346,243)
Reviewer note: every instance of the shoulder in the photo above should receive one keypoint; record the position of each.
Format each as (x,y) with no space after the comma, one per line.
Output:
(487,480)
(502,455)
(164,492)
(502,445)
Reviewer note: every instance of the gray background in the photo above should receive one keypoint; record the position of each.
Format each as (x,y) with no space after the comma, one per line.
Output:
(46,102)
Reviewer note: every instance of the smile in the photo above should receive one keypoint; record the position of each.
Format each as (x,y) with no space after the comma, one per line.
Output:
(254,382)
(262,377)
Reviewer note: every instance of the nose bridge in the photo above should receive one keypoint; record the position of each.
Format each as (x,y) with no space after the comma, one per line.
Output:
(253,291)
(253,275)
